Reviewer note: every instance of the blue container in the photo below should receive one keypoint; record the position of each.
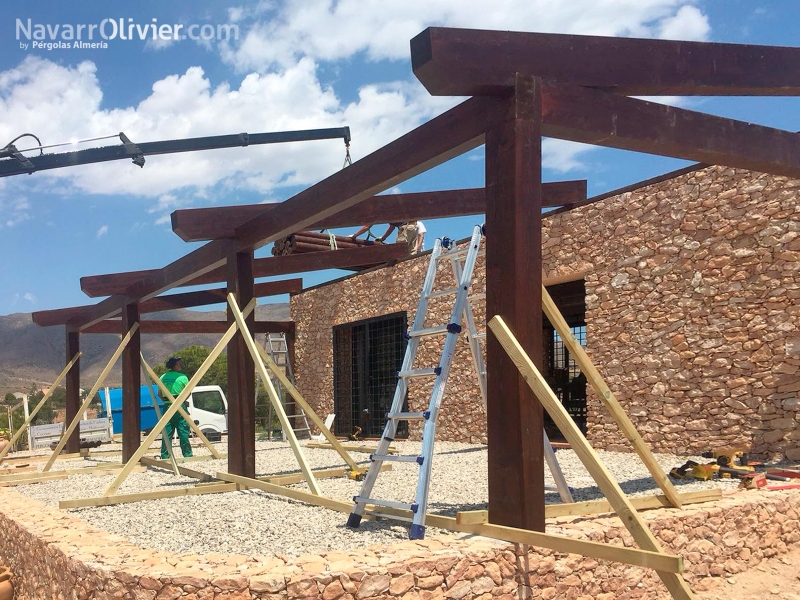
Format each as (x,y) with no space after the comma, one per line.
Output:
(148,414)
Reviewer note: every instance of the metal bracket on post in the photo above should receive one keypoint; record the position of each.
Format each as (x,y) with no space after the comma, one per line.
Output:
(136,154)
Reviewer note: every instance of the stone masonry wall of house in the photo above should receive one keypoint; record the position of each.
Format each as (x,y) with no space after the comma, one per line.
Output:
(692,312)
(55,555)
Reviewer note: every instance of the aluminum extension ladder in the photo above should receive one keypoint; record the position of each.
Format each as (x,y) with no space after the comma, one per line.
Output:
(275,344)
(443,249)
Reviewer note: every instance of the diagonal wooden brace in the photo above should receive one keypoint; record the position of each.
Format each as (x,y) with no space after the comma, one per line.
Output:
(580,445)
(38,407)
(273,396)
(298,398)
(606,395)
(90,396)
(184,414)
(134,460)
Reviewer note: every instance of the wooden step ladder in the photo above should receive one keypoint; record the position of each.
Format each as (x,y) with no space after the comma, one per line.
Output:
(278,349)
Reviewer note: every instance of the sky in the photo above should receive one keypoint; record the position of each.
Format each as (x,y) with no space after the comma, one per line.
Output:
(274,66)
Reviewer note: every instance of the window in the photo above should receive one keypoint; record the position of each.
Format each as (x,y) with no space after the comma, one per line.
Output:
(210,401)
(367,355)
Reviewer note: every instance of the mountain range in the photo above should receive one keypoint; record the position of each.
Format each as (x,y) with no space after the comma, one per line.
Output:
(30,354)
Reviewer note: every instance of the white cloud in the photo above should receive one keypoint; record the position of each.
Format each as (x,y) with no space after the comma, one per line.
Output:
(60,103)
(14,210)
(30,297)
(562,156)
(686,24)
(280,34)
(284,44)
(102,231)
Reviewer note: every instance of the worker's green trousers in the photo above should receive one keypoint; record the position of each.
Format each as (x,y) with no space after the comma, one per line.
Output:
(176,422)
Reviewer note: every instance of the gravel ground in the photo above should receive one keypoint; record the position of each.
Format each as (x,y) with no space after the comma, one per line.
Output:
(256,523)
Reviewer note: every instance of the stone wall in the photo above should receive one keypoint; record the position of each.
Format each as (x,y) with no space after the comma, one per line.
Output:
(692,312)
(54,555)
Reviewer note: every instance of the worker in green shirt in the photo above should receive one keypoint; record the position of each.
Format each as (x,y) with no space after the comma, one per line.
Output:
(175,381)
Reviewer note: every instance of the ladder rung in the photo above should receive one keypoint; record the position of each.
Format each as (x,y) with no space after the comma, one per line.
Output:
(478,296)
(453,254)
(419,372)
(409,416)
(395,458)
(392,516)
(386,503)
(479,336)
(442,329)
(442,293)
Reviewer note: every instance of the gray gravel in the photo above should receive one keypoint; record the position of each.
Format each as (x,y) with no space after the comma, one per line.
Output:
(256,523)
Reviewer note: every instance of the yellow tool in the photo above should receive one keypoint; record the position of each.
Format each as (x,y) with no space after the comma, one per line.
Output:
(731,456)
(693,470)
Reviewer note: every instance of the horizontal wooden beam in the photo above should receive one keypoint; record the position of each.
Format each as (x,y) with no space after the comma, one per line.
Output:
(201,224)
(589,116)
(106,285)
(198,490)
(593,507)
(61,316)
(174,327)
(471,62)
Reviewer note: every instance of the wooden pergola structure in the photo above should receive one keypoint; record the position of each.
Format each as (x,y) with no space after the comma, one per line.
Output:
(523,86)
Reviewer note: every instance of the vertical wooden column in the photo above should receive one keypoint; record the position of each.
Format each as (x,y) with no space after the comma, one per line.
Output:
(241,375)
(131,384)
(513,291)
(73,387)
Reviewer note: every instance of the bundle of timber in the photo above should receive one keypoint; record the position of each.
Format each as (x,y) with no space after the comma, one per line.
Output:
(311,241)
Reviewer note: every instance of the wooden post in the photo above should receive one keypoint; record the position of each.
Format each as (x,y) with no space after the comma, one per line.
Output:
(513,284)
(241,374)
(131,384)
(73,387)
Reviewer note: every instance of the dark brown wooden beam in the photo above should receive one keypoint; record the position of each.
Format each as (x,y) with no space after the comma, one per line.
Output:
(60,316)
(104,285)
(131,383)
(471,62)
(156,327)
(241,374)
(513,291)
(201,224)
(594,117)
(458,130)
(73,388)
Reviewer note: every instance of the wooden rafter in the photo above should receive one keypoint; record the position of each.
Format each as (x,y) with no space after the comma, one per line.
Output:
(152,327)
(471,62)
(117,283)
(578,114)
(451,134)
(201,224)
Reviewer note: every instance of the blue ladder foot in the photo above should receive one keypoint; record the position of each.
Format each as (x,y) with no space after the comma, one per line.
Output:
(353,520)
(417,532)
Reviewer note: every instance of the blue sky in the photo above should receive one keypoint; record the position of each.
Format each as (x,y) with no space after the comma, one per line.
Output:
(304,64)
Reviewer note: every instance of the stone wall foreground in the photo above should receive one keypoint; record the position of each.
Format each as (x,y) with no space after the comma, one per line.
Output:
(55,555)
(692,315)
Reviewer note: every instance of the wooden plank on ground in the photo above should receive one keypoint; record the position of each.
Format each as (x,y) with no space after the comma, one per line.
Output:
(154,495)
(292,478)
(559,543)
(605,481)
(79,471)
(594,507)
(30,480)
(165,464)
(17,470)
(348,447)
